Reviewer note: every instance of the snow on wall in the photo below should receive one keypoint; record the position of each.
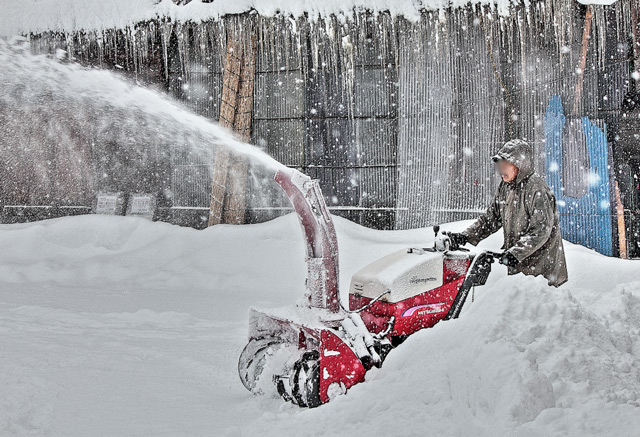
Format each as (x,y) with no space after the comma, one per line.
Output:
(34,16)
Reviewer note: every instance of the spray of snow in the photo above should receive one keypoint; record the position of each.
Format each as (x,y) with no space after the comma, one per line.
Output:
(32,78)
(105,133)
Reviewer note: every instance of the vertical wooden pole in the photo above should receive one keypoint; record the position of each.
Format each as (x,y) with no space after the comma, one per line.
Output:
(230,88)
(229,178)
(583,59)
(235,194)
(244,108)
(622,231)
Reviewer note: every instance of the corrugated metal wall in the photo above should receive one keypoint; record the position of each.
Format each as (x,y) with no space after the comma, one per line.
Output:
(279,111)
(326,105)
(195,77)
(425,141)
(497,76)
(451,121)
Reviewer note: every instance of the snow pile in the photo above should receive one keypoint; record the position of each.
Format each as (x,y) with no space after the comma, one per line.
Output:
(524,359)
(115,325)
(24,16)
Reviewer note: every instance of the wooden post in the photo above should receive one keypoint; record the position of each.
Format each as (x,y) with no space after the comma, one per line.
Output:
(583,59)
(228,185)
(230,84)
(622,231)
(235,195)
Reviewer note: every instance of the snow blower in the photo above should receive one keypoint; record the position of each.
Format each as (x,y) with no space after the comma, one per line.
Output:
(315,350)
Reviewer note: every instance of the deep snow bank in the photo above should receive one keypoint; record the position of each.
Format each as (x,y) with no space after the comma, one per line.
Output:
(113,325)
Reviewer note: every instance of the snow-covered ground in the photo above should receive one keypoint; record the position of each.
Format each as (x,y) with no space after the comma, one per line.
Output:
(121,326)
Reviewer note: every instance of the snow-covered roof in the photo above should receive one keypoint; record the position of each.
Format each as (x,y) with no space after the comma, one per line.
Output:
(25,16)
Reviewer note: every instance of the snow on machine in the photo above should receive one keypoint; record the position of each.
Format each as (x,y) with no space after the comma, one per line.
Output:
(316,350)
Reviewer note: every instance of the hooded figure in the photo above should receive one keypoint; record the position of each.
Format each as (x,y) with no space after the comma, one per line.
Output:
(526,210)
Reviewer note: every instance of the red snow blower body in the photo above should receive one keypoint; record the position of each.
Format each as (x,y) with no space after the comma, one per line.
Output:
(315,350)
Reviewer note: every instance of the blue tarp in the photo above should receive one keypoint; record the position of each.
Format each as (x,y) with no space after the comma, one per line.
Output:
(585,220)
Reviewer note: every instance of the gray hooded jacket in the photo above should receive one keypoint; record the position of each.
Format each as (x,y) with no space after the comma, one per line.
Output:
(526,210)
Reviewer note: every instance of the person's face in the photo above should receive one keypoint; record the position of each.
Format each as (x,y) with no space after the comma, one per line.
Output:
(507,170)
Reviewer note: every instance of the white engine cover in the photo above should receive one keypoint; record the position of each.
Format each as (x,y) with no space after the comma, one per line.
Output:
(405,273)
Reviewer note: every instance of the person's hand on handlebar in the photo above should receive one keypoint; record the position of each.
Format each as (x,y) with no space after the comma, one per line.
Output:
(457,239)
(508,259)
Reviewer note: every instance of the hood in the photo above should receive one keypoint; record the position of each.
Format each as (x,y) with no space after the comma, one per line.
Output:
(519,153)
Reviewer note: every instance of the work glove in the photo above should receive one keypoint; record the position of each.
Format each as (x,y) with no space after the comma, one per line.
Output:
(442,242)
(457,239)
(508,259)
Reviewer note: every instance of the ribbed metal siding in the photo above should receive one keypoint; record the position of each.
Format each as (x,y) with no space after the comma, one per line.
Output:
(424,123)
(328,108)
(450,122)
(195,69)
(278,113)
(195,78)
(479,125)
(191,174)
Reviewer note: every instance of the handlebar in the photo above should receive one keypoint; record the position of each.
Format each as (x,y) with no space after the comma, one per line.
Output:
(452,245)
(494,254)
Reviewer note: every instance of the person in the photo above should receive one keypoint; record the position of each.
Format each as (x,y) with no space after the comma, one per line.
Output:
(525,208)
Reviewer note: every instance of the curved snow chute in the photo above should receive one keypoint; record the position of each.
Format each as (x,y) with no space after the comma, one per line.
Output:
(321,243)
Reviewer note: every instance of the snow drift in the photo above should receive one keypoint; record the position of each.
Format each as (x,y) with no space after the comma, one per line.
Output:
(116,325)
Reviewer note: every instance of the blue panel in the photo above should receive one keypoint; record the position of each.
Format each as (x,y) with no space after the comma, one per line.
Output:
(585,220)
